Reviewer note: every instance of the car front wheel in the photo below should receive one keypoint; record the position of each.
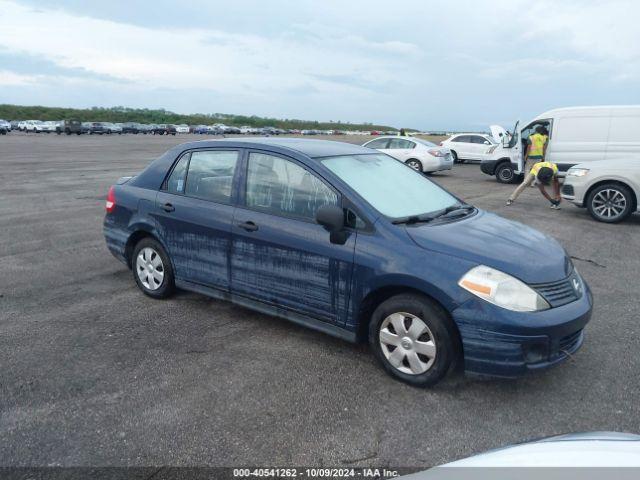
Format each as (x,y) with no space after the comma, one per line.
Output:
(415,164)
(413,339)
(152,269)
(610,203)
(505,173)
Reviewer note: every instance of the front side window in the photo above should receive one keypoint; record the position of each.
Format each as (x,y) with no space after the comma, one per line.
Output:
(389,186)
(210,175)
(378,144)
(281,187)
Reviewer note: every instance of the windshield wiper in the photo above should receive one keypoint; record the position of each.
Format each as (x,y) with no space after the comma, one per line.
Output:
(459,207)
(411,219)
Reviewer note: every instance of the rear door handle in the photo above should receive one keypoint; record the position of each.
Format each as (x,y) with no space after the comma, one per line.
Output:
(167,207)
(248,226)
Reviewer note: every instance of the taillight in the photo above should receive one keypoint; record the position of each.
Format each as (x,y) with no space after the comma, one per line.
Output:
(440,144)
(111,200)
(436,153)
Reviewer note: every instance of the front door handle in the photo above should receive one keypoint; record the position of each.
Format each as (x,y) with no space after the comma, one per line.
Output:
(167,207)
(248,226)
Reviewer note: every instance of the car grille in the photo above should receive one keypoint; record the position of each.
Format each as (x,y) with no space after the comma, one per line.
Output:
(568,343)
(567,189)
(562,292)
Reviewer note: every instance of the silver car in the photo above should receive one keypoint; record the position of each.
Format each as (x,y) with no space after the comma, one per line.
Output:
(609,189)
(417,153)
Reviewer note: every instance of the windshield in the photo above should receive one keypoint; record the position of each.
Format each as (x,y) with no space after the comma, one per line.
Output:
(391,187)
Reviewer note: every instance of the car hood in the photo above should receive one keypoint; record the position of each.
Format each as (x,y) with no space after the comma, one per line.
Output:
(508,246)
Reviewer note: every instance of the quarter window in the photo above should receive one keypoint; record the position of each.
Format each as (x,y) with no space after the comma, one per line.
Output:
(281,187)
(175,183)
(210,175)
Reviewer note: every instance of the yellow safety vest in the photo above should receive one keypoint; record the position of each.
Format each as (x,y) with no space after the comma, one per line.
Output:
(537,144)
(536,168)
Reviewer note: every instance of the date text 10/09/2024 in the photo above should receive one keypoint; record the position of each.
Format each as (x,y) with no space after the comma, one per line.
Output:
(315,473)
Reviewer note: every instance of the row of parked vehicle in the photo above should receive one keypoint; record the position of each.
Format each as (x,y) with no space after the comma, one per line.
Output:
(76,127)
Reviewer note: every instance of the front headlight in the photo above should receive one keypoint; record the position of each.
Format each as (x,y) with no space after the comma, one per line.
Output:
(502,290)
(577,172)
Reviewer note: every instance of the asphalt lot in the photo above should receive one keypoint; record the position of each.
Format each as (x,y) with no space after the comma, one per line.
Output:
(94,373)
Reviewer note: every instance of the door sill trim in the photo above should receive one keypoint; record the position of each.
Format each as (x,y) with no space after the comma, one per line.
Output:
(268,309)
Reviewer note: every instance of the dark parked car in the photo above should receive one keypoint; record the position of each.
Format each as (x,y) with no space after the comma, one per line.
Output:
(130,127)
(69,127)
(164,129)
(352,243)
(5,127)
(98,128)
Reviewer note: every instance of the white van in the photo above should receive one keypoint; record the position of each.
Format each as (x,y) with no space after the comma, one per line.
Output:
(576,135)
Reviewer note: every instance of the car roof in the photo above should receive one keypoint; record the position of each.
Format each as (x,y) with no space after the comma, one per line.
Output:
(313,148)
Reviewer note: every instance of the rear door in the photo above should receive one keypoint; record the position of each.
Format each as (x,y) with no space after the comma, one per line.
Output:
(280,255)
(194,211)
(463,147)
(400,148)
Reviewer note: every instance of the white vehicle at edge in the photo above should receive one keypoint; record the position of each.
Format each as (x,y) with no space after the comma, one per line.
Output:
(608,189)
(419,154)
(576,135)
(182,128)
(576,450)
(470,146)
(32,126)
(48,127)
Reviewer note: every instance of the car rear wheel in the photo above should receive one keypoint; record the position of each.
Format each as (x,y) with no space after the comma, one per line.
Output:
(610,203)
(413,339)
(505,173)
(152,269)
(415,164)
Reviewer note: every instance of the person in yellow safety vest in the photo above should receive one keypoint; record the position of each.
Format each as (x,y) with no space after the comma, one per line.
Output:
(546,173)
(537,147)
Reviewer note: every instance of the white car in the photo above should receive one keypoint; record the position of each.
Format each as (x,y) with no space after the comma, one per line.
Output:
(609,189)
(419,154)
(48,127)
(182,128)
(470,146)
(36,126)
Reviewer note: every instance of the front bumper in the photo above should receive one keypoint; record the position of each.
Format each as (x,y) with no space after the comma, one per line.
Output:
(574,189)
(502,343)
(488,166)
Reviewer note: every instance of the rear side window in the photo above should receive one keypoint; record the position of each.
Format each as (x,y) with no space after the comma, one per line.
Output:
(175,183)
(210,175)
(400,143)
(378,144)
(462,139)
(281,187)
(478,139)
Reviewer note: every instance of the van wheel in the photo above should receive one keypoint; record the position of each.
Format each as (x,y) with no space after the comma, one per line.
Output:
(505,173)
(152,269)
(415,164)
(413,339)
(610,203)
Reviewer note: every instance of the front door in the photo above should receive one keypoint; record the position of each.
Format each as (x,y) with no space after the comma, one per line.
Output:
(280,255)
(194,213)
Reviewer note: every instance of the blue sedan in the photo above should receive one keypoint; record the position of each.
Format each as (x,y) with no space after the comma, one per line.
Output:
(355,244)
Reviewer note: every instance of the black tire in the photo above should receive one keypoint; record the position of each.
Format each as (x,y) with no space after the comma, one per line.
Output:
(456,158)
(617,197)
(440,331)
(505,174)
(415,164)
(167,286)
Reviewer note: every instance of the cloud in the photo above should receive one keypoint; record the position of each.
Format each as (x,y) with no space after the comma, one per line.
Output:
(439,64)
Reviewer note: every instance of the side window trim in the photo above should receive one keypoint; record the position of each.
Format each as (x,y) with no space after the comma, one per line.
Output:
(242,203)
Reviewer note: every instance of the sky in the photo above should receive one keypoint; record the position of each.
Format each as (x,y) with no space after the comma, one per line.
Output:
(431,65)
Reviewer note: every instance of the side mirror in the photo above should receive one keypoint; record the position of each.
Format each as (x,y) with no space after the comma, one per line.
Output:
(331,217)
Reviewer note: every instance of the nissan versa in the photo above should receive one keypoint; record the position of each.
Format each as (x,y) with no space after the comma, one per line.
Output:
(353,243)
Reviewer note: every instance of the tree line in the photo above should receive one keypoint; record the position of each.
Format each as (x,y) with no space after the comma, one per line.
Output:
(145,115)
